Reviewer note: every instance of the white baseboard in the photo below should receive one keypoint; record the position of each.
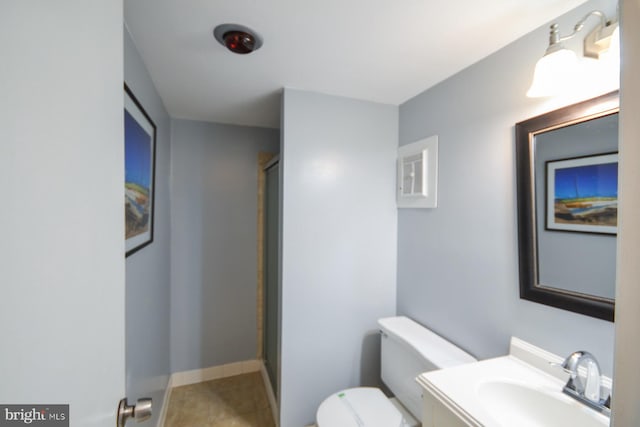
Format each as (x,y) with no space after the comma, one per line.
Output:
(272,398)
(214,372)
(165,402)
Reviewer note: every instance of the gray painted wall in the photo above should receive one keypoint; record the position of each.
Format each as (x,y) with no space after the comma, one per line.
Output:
(581,262)
(214,187)
(458,264)
(148,270)
(338,245)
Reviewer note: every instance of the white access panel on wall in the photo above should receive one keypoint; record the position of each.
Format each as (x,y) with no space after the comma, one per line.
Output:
(418,174)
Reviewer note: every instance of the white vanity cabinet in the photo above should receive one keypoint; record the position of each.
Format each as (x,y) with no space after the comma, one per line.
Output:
(523,388)
(436,414)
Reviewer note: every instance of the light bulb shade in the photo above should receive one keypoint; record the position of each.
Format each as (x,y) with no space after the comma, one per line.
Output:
(553,73)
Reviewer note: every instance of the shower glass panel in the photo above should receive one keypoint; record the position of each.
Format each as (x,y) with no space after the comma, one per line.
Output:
(271,286)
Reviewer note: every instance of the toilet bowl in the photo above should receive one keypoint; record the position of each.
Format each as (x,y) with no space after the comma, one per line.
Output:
(407,350)
(357,407)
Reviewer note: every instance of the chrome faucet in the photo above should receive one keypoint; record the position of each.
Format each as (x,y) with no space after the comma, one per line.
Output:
(584,381)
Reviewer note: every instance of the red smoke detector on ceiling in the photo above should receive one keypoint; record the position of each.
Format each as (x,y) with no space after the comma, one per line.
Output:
(237,38)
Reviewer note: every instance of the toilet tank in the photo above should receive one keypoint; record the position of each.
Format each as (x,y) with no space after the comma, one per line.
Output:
(409,349)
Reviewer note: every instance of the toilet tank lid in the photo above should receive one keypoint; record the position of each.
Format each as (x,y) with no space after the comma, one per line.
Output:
(432,347)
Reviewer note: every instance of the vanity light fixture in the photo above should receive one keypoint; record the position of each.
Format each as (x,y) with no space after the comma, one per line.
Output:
(237,38)
(559,65)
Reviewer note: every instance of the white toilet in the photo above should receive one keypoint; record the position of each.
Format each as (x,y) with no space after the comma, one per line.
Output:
(407,350)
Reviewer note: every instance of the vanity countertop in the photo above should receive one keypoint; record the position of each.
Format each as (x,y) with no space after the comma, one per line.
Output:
(507,391)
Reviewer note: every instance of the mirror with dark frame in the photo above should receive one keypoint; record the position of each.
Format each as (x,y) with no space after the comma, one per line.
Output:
(567,168)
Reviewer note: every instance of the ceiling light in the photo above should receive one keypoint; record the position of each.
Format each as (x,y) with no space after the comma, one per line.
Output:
(554,68)
(558,68)
(237,38)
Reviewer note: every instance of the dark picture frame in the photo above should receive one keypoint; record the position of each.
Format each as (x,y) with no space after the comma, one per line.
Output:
(582,194)
(140,161)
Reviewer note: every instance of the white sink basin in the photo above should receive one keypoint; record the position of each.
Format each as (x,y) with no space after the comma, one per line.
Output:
(518,390)
(514,404)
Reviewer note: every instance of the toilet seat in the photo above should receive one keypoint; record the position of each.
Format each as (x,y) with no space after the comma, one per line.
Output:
(358,407)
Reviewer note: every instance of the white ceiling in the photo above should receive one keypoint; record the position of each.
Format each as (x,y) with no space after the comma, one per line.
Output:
(378,50)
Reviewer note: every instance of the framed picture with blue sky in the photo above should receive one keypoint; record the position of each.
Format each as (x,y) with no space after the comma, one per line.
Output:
(139,159)
(582,194)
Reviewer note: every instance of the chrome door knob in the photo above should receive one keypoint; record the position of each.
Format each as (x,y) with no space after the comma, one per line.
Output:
(141,411)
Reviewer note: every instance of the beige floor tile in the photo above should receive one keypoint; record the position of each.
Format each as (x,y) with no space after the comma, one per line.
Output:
(181,393)
(238,401)
(260,397)
(265,418)
(192,420)
(246,420)
(237,381)
(173,415)
(241,400)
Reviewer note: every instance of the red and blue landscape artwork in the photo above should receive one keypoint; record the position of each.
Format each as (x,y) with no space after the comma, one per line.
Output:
(585,194)
(138,177)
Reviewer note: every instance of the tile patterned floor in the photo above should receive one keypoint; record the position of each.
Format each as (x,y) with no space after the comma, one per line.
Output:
(238,401)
